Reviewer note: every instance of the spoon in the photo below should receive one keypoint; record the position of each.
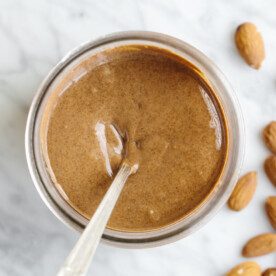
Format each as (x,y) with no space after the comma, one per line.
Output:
(81,255)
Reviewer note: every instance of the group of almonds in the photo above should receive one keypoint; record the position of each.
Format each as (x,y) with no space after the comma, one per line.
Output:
(251,47)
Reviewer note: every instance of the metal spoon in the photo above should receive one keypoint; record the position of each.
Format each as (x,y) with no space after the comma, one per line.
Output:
(80,257)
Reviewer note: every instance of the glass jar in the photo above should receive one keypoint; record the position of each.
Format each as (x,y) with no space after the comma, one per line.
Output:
(234,125)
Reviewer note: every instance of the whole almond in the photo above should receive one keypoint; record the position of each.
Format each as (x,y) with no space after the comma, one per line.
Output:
(269,272)
(245,269)
(270,207)
(250,44)
(269,136)
(270,168)
(260,245)
(243,192)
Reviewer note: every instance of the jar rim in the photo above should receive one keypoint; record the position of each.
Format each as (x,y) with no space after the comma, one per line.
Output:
(234,123)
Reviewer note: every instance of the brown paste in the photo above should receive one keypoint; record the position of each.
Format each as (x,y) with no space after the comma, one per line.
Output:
(163,107)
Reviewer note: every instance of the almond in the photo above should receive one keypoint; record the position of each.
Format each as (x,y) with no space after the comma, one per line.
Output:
(270,168)
(269,272)
(245,269)
(260,245)
(250,44)
(270,207)
(269,136)
(243,192)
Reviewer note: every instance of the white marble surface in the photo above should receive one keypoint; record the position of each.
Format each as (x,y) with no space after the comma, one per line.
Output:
(34,35)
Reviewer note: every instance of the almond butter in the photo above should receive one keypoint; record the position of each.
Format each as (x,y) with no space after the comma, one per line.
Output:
(245,269)
(270,168)
(269,272)
(270,207)
(243,191)
(250,44)
(260,245)
(269,136)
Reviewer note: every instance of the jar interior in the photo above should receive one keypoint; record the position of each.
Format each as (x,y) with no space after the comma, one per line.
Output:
(233,122)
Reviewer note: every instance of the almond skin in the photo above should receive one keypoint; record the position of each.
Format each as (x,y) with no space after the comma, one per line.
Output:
(270,168)
(245,269)
(269,272)
(269,136)
(250,44)
(260,245)
(270,207)
(243,192)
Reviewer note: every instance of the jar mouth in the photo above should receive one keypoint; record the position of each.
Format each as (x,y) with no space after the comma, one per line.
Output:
(208,208)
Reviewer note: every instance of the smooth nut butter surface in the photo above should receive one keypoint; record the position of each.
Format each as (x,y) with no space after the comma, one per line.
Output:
(162,109)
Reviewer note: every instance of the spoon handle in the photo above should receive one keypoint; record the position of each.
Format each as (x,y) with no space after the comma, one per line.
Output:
(80,257)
